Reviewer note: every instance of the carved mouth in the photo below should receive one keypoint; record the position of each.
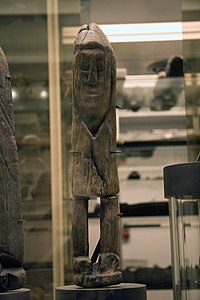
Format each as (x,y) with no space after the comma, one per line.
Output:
(93,94)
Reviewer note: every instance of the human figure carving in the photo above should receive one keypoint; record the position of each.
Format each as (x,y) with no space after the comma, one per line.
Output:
(94,157)
(12,275)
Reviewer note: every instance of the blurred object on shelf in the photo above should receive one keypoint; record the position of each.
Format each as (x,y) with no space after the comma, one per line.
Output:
(154,278)
(158,208)
(151,126)
(133,100)
(33,168)
(134,175)
(169,89)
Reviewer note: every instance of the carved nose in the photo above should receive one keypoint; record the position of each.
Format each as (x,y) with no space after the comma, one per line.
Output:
(93,75)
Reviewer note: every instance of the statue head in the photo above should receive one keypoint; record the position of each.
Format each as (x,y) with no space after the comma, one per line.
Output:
(94,76)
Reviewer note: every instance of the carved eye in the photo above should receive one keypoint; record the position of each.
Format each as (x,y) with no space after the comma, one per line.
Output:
(85,64)
(100,64)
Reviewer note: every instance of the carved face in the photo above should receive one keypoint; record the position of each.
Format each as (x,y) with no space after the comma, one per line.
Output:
(93,87)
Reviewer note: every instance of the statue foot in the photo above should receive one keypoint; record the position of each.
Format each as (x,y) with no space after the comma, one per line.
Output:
(109,273)
(108,262)
(82,264)
(11,279)
(82,267)
(99,280)
(107,279)
(105,274)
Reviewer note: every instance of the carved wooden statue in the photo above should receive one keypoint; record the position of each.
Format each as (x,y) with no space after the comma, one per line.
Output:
(12,275)
(94,157)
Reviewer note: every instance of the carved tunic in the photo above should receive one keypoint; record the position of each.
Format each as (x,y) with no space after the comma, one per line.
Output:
(94,163)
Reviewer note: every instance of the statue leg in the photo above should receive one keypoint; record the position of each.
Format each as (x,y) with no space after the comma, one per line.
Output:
(109,241)
(81,262)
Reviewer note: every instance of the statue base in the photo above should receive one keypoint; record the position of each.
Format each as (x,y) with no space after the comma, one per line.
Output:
(130,291)
(21,294)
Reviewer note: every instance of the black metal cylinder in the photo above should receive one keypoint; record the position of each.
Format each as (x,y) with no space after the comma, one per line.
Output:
(182,179)
(122,291)
(21,294)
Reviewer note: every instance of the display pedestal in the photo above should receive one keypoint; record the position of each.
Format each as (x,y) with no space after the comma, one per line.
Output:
(130,291)
(21,294)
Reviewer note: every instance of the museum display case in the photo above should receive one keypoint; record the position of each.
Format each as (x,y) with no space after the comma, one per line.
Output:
(157,125)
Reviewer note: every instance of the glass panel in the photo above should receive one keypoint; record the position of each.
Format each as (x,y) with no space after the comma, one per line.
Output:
(69,17)
(190,247)
(23,38)
(191,46)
